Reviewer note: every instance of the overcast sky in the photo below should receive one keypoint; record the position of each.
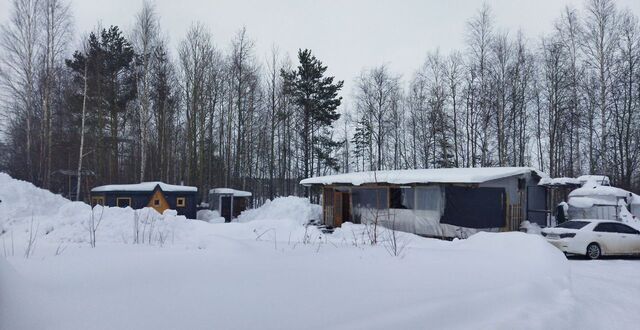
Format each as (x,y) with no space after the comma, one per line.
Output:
(346,35)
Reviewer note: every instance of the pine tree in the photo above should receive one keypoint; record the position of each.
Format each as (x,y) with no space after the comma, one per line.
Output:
(111,87)
(317,99)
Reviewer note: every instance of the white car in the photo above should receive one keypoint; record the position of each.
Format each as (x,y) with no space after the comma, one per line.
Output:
(594,238)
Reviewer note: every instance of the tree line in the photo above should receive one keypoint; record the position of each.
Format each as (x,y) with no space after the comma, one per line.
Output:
(567,103)
(124,107)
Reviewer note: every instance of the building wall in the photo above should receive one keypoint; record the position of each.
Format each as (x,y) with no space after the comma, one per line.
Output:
(141,200)
(427,221)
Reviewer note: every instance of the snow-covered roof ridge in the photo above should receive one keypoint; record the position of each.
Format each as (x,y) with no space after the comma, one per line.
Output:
(600,179)
(439,175)
(235,192)
(144,186)
(592,188)
(563,181)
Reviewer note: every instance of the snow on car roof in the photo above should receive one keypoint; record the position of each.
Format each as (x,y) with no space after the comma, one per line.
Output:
(236,193)
(143,186)
(440,175)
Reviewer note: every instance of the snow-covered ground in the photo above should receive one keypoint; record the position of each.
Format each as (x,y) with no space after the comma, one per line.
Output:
(607,293)
(269,271)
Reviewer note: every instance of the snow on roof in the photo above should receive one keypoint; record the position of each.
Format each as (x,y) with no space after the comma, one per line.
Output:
(439,175)
(600,179)
(236,193)
(594,189)
(559,182)
(144,186)
(588,202)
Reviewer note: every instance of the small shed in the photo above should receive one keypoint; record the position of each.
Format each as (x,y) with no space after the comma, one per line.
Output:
(448,202)
(229,202)
(158,195)
(596,201)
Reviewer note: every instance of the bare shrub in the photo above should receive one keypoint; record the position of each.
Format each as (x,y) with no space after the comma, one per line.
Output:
(31,242)
(395,243)
(94,223)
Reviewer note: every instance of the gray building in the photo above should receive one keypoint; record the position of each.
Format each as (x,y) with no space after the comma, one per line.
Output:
(452,202)
(229,202)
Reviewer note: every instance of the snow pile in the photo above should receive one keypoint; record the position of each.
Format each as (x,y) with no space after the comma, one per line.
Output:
(530,227)
(27,210)
(20,198)
(294,209)
(56,221)
(210,216)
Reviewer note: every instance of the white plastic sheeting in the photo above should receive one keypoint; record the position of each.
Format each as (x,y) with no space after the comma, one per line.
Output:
(423,219)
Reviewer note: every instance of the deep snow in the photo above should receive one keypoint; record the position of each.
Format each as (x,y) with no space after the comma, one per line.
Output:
(269,271)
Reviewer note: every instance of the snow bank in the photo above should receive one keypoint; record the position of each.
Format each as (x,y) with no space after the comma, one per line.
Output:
(21,198)
(210,216)
(295,209)
(57,222)
(530,227)
(27,210)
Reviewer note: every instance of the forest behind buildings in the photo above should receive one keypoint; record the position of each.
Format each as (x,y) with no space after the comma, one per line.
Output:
(121,105)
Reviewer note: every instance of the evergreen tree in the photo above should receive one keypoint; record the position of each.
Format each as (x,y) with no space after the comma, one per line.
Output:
(317,99)
(111,86)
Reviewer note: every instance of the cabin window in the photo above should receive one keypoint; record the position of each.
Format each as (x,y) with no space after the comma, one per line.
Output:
(181,202)
(428,198)
(401,198)
(123,201)
(156,202)
(97,201)
(370,198)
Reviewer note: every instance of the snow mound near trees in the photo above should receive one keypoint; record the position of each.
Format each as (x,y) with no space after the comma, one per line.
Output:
(295,209)
(26,208)
(21,198)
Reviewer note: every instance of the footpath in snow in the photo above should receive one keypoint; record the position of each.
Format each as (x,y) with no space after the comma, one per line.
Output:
(267,271)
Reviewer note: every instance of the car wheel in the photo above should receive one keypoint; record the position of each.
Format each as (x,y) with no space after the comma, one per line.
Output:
(593,251)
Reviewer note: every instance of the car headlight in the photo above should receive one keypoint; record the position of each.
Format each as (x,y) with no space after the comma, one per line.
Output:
(544,234)
(568,235)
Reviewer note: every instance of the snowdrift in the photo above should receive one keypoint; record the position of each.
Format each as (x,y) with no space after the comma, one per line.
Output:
(27,209)
(295,209)
(267,270)
(21,198)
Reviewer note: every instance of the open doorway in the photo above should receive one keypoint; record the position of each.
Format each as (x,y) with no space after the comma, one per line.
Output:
(336,206)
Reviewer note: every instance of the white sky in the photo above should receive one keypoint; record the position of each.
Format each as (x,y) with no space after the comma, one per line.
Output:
(346,35)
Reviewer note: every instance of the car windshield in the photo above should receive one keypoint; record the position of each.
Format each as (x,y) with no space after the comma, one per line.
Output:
(573,224)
